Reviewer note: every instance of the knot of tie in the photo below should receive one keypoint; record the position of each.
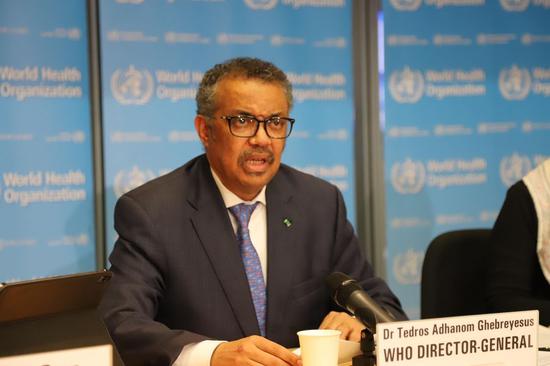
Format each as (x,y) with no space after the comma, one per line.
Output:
(242,213)
(251,261)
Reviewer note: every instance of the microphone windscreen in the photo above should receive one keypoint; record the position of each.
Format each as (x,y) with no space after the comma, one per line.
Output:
(335,280)
(341,286)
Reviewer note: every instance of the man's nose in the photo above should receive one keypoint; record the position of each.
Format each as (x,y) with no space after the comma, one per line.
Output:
(261,137)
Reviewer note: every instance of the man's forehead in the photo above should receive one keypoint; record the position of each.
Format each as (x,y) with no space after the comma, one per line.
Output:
(236,92)
(235,79)
(240,87)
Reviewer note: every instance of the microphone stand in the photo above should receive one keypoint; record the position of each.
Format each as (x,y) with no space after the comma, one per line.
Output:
(368,358)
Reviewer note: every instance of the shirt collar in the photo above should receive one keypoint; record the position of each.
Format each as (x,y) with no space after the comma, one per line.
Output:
(231,199)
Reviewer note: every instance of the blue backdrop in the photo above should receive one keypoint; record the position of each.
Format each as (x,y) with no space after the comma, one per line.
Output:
(154,55)
(467,110)
(46,193)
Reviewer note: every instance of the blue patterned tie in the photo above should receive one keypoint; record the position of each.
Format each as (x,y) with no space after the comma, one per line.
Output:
(252,266)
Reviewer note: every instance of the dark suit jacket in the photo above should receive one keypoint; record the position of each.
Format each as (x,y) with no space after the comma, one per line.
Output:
(179,278)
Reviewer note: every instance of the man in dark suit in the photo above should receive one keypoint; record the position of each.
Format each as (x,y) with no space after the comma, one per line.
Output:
(183,291)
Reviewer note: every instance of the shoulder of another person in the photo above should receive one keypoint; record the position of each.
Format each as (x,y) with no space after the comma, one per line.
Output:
(519,190)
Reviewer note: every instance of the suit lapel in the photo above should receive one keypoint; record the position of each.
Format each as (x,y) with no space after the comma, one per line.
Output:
(215,232)
(281,236)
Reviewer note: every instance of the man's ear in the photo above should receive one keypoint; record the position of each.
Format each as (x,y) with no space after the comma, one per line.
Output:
(202,128)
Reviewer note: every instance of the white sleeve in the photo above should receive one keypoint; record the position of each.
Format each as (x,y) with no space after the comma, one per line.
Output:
(197,354)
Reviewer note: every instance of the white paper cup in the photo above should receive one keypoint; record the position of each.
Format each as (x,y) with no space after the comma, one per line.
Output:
(319,347)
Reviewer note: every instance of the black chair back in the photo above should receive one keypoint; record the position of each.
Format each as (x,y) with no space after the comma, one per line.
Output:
(453,274)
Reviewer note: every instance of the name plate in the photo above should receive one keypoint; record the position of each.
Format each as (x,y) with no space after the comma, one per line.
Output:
(86,356)
(503,339)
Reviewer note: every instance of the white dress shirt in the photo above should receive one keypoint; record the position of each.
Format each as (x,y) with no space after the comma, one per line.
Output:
(199,354)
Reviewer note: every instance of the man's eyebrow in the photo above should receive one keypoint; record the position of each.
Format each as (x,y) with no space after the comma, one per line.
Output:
(246,113)
(243,113)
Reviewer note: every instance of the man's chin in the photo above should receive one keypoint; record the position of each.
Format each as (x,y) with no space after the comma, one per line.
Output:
(259,177)
(256,173)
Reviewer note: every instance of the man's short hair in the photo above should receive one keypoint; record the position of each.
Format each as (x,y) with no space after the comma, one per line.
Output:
(240,67)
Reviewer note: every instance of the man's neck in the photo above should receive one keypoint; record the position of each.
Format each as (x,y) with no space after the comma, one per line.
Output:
(231,198)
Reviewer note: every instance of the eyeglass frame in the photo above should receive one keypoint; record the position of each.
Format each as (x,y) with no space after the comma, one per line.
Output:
(265,122)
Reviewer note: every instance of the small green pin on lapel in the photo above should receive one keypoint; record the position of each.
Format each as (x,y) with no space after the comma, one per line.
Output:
(287,222)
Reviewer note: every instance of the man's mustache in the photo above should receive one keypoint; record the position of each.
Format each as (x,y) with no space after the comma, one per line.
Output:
(265,152)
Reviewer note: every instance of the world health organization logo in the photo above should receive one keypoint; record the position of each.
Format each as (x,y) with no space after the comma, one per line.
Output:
(407,86)
(125,180)
(514,83)
(513,168)
(132,86)
(514,5)
(407,267)
(261,4)
(408,177)
(406,5)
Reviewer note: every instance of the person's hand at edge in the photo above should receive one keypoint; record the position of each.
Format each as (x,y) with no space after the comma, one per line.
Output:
(349,326)
(253,350)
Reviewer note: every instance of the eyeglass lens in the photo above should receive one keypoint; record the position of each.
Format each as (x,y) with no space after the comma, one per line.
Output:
(247,126)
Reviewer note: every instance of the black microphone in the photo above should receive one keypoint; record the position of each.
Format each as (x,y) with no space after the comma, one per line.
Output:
(345,291)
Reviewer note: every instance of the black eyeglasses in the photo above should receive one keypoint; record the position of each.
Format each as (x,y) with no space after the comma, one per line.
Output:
(247,126)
